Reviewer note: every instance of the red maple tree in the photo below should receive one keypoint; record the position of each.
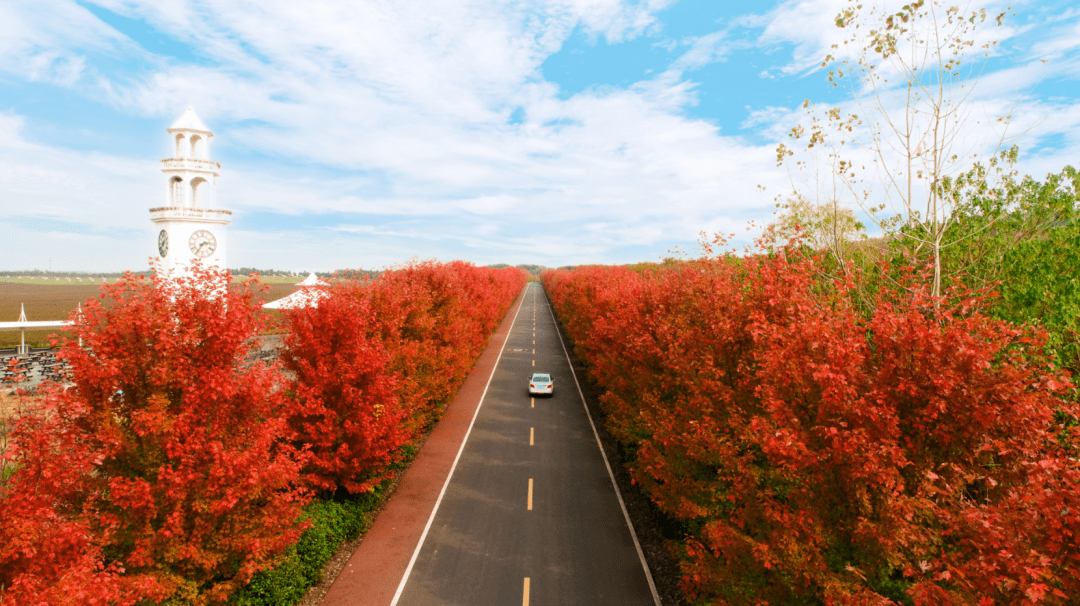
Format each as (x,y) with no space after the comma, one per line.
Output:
(178,474)
(343,406)
(819,451)
(376,361)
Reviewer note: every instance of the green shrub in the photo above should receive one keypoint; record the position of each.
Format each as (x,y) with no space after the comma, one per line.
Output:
(333,522)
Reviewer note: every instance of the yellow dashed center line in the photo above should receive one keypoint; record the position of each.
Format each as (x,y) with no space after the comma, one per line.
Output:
(525,594)
(534,362)
(531,435)
(530,494)
(532,402)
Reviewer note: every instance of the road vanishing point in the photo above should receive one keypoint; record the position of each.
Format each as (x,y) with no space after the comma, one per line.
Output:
(530,513)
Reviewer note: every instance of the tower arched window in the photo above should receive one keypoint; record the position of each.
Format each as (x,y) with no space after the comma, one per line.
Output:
(198,147)
(181,146)
(176,192)
(200,193)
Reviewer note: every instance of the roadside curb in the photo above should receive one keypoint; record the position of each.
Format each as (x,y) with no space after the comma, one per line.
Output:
(373,573)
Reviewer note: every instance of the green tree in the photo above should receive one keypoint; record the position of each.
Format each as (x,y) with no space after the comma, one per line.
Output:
(828,225)
(1024,237)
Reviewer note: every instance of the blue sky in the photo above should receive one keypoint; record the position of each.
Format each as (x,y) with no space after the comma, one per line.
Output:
(364,134)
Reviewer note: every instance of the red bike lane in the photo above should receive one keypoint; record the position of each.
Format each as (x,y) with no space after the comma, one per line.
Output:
(373,573)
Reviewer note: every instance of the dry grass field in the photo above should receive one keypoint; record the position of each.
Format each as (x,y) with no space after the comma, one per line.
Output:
(10,405)
(56,300)
(77,281)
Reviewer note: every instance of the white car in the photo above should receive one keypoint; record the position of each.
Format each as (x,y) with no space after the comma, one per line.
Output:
(541,384)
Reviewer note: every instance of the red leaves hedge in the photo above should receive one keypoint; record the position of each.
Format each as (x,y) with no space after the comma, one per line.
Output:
(174,463)
(376,362)
(172,470)
(819,452)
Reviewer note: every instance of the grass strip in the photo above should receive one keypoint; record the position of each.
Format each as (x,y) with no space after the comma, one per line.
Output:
(333,523)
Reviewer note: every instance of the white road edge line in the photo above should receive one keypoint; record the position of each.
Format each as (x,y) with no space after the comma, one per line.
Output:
(431,518)
(599,444)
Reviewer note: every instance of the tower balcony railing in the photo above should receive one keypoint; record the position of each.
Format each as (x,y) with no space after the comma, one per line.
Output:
(190,164)
(212,215)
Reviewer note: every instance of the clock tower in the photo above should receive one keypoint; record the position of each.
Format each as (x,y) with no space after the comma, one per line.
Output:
(190,226)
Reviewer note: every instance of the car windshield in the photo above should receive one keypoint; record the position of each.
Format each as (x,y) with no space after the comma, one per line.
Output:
(541,379)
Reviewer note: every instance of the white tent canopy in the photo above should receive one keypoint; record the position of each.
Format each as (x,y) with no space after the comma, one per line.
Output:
(305,296)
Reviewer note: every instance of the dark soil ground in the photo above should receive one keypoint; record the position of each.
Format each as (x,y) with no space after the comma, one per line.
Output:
(57,301)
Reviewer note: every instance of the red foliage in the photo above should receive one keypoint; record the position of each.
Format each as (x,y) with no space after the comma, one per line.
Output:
(820,452)
(436,320)
(344,407)
(375,362)
(177,471)
(50,553)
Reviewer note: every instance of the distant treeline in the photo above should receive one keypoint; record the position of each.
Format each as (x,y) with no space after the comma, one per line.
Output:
(351,273)
(243,271)
(532,269)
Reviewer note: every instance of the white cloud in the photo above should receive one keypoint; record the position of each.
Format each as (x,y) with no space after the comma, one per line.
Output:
(95,190)
(400,112)
(45,40)
(770,115)
(809,26)
(989,91)
(405,106)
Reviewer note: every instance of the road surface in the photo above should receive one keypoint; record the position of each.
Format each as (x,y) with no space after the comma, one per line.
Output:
(530,514)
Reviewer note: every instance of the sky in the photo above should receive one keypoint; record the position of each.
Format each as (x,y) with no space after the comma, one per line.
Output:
(367,133)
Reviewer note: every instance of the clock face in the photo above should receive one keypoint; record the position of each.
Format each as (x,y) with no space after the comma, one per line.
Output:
(163,243)
(202,243)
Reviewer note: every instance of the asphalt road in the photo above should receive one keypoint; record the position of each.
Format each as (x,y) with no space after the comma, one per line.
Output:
(530,514)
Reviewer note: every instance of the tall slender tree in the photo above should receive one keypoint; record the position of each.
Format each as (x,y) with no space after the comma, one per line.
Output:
(907,148)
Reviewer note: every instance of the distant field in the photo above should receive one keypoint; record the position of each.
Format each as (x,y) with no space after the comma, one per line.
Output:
(56,300)
(54,281)
(41,281)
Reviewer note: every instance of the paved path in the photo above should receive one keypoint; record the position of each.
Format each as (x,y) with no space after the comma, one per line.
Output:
(530,514)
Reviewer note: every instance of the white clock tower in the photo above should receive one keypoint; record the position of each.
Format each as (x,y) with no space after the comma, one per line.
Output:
(191,225)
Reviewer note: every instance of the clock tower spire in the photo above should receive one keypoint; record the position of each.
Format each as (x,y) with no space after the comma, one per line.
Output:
(191,225)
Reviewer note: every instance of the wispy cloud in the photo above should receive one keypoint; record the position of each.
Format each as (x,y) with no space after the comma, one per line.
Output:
(406,107)
(430,119)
